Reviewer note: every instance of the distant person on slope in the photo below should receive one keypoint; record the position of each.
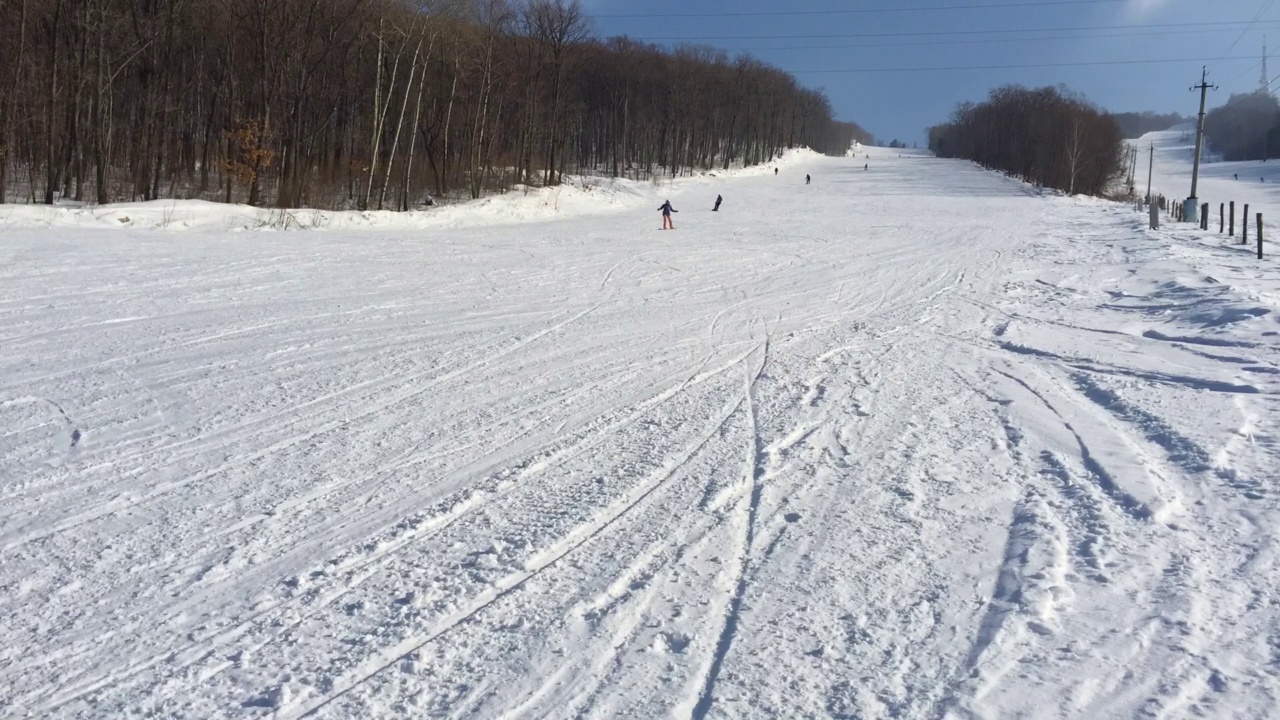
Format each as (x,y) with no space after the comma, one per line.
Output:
(719,200)
(666,209)
(806,179)
(775,171)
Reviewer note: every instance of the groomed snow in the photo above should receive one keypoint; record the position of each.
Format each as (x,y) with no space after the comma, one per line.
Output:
(911,442)
(1253,182)
(576,197)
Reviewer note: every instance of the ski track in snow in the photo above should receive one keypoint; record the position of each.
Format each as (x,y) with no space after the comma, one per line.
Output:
(917,442)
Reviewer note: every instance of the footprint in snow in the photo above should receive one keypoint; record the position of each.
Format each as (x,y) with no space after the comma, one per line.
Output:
(671,642)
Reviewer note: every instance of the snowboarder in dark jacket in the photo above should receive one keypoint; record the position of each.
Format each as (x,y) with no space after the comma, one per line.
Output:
(806,179)
(666,215)
(719,200)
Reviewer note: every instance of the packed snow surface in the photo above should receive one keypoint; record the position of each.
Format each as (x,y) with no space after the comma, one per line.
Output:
(1252,182)
(909,442)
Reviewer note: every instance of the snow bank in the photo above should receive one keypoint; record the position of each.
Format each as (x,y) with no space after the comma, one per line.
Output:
(579,196)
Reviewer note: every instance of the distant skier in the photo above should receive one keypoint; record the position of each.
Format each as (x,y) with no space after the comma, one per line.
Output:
(666,209)
(1237,176)
(719,200)
(775,172)
(806,179)
(867,166)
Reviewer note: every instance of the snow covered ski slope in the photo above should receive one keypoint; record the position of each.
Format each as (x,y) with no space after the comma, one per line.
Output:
(911,442)
(1254,183)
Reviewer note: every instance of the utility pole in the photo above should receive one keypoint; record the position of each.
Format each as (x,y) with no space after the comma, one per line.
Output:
(1193,203)
(1151,171)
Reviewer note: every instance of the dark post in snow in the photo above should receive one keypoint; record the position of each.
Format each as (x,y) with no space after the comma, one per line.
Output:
(1244,232)
(1154,210)
(1259,236)
(1222,218)
(1204,217)
(1233,219)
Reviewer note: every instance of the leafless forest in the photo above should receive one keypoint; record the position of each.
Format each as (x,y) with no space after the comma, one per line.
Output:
(366,103)
(1045,136)
(1247,127)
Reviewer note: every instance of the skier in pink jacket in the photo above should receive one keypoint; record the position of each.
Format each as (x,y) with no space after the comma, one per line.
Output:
(666,209)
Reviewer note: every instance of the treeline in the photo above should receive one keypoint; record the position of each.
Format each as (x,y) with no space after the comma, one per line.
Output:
(1044,136)
(366,103)
(1246,128)
(1135,125)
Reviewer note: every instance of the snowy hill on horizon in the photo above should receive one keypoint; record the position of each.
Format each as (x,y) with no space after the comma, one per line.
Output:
(1254,182)
(910,441)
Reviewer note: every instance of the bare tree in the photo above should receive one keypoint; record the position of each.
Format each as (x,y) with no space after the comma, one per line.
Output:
(1075,149)
(1046,136)
(292,102)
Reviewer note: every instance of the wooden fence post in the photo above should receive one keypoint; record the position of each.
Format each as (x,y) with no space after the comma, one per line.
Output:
(1222,218)
(1244,232)
(1204,216)
(1233,219)
(1259,236)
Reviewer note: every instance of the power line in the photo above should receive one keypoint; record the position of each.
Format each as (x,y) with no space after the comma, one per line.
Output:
(1256,17)
(1232,82)
(942,33)
(985,41)
(1263,62)
(1012,67)
(870,11)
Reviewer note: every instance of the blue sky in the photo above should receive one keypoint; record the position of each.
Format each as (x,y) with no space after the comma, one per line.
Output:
(902,104)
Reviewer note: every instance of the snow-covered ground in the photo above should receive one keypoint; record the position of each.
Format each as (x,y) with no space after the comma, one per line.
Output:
(1253,182)
(577,197)
(911,442)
